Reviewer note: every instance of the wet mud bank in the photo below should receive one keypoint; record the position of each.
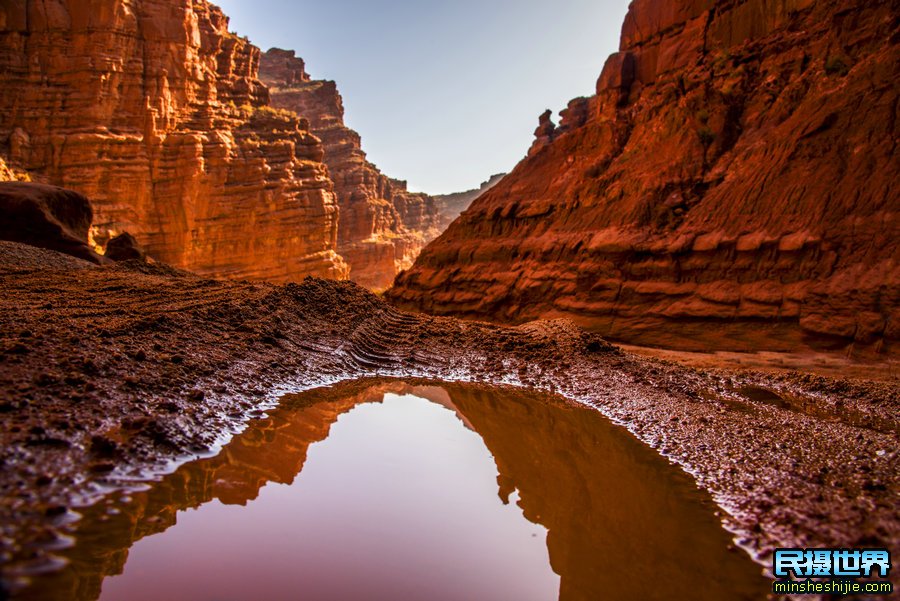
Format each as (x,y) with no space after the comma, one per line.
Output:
(109,373)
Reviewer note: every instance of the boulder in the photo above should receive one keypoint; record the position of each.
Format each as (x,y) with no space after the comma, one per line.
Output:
(124,247)
(46,217)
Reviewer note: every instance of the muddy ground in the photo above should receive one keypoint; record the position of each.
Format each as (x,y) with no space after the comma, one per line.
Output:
(110,373)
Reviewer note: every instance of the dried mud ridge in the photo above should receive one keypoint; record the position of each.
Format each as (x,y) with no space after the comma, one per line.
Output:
(109,373)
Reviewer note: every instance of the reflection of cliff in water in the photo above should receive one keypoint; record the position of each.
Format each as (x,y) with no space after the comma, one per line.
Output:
(622,522)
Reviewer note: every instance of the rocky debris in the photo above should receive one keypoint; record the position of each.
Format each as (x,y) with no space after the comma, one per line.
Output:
(452,205)
(46,217)
(731,185)
(124,247)
(156,113)
(383,225)
(103,370)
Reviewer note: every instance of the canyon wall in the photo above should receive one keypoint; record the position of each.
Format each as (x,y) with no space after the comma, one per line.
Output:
(383,226)
(452,205)
(733,183)
(153,110)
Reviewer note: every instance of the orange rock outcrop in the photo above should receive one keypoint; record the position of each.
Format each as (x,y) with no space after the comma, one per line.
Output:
(383,226)
(732,183)
(154,111)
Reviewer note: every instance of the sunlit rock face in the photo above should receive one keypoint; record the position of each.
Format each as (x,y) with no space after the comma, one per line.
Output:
(732,183)
(10,174)
(383,225)
(154,111)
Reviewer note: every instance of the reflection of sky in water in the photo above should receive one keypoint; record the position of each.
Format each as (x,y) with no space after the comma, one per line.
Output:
(399,502)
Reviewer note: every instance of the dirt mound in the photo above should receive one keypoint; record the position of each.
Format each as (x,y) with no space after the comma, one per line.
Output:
(17,257)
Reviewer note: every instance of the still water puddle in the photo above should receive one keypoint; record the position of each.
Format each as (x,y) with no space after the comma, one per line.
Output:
(394,491)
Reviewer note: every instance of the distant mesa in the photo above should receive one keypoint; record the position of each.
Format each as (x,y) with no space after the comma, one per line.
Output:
(452,205)
(732,184)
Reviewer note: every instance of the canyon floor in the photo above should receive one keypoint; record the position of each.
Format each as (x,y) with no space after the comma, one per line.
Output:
(110,374)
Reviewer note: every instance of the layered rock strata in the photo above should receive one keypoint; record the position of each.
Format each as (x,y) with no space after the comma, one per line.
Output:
(383,226)
(154,111)
(732,183)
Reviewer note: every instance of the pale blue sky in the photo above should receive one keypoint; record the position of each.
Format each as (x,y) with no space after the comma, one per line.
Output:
(445,93)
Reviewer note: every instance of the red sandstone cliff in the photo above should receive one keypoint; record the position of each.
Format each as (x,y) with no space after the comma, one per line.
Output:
(383,226)
(733,181)
(154,111)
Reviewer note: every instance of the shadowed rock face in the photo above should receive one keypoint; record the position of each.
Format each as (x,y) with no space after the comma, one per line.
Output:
(154,111)
(732,183)
(383,225)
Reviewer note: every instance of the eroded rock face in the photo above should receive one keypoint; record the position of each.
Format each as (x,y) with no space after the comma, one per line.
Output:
(154,111)
(732,183)
(46,217)
(383,226)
